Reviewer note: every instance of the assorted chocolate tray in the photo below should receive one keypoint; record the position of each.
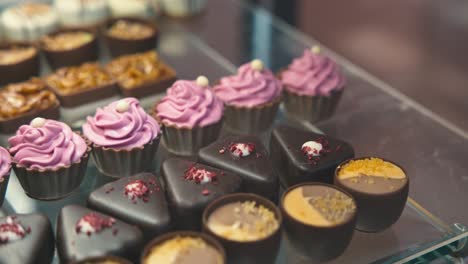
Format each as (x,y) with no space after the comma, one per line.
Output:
(189,172)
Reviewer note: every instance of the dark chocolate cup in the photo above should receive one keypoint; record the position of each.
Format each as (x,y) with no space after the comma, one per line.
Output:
(120,46)
(120,163)
(52,184)
(158,240)
(10,125)
(87,96)
(260,251)
(251,120)
(319,243)
(310,108)
(377,212)
(63,58)
(3,187)
(22,70)
(103,259)
(149,87)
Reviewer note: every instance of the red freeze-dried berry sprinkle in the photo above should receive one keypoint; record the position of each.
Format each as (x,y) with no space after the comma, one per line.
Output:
(11,227)
(206,192)
(325,150)
(97,222)
(237,149)
(136,189)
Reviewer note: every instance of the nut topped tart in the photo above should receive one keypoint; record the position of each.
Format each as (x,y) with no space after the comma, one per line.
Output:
(183,247)
(66,40)
(141,74)
(380,188)
(18,62)
(81,84)
(126,29)
(21,102)
(319,219)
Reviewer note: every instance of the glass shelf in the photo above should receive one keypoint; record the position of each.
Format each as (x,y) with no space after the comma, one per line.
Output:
(371,116)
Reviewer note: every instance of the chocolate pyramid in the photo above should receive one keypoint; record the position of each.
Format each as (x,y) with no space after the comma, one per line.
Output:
(138,200)
(192,186)
(83,233)
(26,239)
(304,156)
(247,157)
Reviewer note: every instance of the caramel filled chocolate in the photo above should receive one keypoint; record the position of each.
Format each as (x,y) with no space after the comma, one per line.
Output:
(16,54)
(66,40)
(125,29)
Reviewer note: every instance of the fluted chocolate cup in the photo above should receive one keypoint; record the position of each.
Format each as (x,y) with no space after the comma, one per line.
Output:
(20,70)
(318,243)
(52,184)
(261,251)
(3,187)
(103,259)
(251,120)
(119,163)
(162,238)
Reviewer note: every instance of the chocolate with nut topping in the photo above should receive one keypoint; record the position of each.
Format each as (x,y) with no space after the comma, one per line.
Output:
(66,40)
(126,29)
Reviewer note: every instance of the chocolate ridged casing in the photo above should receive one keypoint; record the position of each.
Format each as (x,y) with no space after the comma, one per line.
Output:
(319,243)
(262,251)
(377,211)
(120,46)
(87,52)
(103,259)
(160,239)
(22,70)
(3,187)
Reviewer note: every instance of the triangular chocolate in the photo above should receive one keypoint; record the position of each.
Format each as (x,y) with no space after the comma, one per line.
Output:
(26,239)
(137,200)
(247,157)
(83,233)
(304,156)
(192,186)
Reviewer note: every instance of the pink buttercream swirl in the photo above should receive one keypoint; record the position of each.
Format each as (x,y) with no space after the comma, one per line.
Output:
(189,105)
(249,87)
(313,74)
(50,146)
(5,163)
(124,129)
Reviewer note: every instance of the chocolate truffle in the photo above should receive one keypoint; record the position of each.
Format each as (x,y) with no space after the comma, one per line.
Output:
(23,101)
(18,62)
(247,225)
(319,219)
(301,156)
(70,47)
(247,157)
(26,239)
(76,85)
(141,74)
(83,233)
(380,188)
(183,247)
(130,35)
(138,200)
(191,186)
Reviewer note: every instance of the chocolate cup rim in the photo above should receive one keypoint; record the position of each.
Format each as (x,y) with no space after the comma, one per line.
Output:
(105,257)
(94,145)
(85,155)
(59,93)
(164,237)
(338,168)
(9,44)
(154,113)
(64,30)
(291,218)
(34,111)
(213,205)
(109,22)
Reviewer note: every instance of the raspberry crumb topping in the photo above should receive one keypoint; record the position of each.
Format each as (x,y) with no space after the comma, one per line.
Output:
(315,149)
(136,189)
(93,223)
(11,231)
(241,150)
(198,175)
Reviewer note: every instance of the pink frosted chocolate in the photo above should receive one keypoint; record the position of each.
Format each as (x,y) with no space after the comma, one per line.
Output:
(313,74)
(189,104)
(123,124)
(46,144)
(251,86)
(5,163)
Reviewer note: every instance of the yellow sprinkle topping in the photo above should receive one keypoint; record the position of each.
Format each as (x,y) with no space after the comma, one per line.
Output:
(371,167)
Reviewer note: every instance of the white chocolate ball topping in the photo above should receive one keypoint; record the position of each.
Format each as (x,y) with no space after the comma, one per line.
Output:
(257,65)
(38,122)
(202,81)
(122,106)
(315,49)
(312,148)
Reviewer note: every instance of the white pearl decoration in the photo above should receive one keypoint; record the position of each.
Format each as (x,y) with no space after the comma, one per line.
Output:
(38,122)
(202,81)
